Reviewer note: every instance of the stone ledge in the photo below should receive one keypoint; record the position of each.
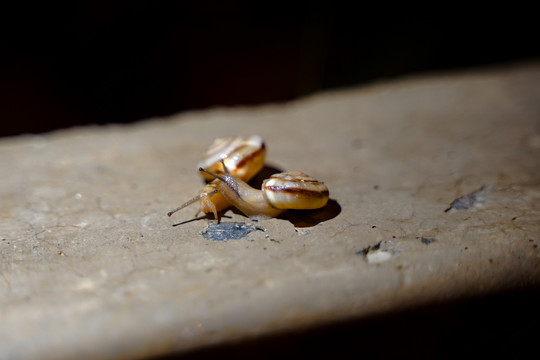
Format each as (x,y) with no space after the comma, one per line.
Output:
(91,266)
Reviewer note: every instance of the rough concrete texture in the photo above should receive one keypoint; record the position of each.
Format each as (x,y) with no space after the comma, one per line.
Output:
(91,265)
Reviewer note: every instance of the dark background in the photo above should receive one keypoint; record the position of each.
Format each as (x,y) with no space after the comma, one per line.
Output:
(88,62)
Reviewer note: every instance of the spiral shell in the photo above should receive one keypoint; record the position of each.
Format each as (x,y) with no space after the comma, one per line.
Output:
(244,158)
(295,190)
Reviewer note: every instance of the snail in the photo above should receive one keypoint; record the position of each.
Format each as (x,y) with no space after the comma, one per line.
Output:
(243,159)
(289,190)
(283,191)
(231,163)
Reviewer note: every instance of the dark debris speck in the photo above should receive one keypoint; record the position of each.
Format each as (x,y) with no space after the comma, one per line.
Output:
(427,240)
(366,250)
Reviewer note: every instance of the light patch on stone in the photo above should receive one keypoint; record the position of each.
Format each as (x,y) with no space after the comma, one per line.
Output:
(378,256)
(379,252)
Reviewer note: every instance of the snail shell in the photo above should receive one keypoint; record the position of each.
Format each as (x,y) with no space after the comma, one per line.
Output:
(244,158)
(295,190)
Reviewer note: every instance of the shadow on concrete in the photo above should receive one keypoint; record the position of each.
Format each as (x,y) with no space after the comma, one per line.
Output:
(309,218)
(501,324)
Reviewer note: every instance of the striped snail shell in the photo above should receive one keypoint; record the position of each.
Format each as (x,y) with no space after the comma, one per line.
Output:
(295,190)
(244,158)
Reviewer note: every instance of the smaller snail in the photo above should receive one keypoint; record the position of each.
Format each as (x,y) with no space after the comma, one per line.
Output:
(283,191)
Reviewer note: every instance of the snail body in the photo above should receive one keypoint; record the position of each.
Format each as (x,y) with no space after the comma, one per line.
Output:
(250,201)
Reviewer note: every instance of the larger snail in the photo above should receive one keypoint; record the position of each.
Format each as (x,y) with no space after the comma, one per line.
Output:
(289,190)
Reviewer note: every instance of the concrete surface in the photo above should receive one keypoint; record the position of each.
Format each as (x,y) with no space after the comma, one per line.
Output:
(435,188)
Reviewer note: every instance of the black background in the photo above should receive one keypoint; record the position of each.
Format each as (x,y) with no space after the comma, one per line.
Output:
(82,62)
